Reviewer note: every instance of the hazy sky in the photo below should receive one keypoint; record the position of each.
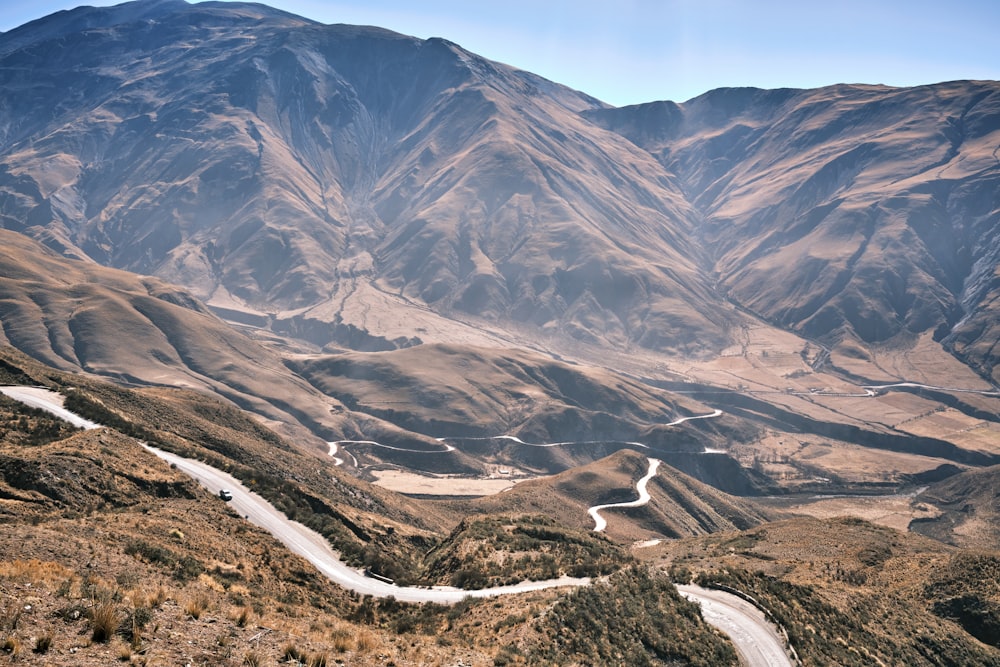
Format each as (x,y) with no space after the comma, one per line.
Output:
(631,51)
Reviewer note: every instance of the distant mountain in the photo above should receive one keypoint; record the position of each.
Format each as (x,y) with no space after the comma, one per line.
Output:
(861,212)
(313,178)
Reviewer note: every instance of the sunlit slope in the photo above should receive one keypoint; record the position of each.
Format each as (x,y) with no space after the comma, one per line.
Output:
(272,165)
(77,315)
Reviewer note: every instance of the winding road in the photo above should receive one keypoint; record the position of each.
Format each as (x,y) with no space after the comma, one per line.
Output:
(51,402)
(314,548)
(917,385)
(600,524)
(756,640)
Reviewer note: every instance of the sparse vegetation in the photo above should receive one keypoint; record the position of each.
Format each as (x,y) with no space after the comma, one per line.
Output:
(496,550)
(127,556)
(636,618)
(967,591)
(852,593)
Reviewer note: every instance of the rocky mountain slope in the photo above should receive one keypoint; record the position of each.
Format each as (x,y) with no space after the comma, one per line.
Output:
(321,180)
(304,171)
(335,192)
(858,212)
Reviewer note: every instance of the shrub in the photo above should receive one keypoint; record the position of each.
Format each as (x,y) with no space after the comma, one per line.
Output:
(196,605)
(253,659)
(292,652)
(243,617)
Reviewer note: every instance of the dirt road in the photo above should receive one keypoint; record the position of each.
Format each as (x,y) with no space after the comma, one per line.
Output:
(756,640)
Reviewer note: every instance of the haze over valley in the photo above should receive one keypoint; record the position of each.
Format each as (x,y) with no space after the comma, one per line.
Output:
(443,311)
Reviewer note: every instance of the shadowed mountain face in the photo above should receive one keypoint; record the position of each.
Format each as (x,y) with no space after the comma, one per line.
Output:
(80,316)
(860,211)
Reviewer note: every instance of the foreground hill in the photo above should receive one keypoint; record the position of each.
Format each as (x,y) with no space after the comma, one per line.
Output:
(851,593)
(108,563)
(106,551)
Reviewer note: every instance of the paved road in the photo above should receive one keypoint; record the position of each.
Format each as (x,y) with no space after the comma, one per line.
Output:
(756,640)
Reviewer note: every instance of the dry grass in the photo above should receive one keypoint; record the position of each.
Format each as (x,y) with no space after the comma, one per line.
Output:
(12,647)
(124,652)
(104,620)
(342,635)
(242,617)
(254,659)
(365,641)
(318,660)
(197,605)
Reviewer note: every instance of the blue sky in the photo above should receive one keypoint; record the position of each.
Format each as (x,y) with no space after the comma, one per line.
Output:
(632,51)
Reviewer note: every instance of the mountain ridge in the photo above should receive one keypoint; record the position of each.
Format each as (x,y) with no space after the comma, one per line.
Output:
(322,167)
(337,190)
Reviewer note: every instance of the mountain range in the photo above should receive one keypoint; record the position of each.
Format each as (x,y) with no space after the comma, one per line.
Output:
(358,188)
(319,256)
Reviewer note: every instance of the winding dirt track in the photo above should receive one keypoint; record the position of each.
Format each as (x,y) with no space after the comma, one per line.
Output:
(600,523)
